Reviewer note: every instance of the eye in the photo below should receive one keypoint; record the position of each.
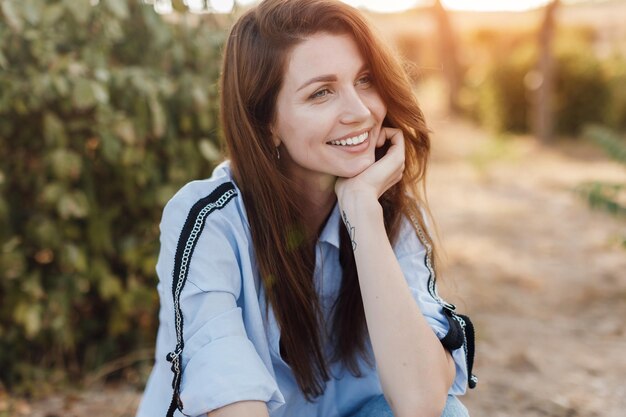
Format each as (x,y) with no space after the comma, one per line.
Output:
(364,80)
(320,93)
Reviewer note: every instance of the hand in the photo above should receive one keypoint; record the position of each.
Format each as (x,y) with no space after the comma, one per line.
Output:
(382,174)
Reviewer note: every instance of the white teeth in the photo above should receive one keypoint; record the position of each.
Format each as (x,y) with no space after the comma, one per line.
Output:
(351,141)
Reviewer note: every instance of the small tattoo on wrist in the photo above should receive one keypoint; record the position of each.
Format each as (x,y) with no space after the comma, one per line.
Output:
(350,228)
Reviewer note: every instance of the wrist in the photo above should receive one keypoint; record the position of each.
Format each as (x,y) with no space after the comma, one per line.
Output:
(359,201)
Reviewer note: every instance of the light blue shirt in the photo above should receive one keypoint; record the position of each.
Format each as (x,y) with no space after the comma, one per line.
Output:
(231,350)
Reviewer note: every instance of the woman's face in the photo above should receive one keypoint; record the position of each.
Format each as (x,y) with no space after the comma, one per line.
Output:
(328,112)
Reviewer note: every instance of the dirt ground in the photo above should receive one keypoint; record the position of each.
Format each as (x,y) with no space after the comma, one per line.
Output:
(542,276)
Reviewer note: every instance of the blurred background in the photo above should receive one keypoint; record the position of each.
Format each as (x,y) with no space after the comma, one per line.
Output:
(108,107)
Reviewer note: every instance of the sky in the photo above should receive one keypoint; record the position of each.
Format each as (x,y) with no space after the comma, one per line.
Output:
(225,6)
(398,5)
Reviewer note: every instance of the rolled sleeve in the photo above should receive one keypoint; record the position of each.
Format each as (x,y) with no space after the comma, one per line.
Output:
(220,364)
(225,369)
(411,256)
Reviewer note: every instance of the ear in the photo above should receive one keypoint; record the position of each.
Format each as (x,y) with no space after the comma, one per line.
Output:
(275,137)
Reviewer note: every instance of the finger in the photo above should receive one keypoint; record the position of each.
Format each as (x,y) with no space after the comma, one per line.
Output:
(395,136)
(396,150)
(382,138)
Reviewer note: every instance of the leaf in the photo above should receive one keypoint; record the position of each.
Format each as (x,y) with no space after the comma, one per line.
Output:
(52,13)
(53,130)
(118,7)
(99,232)
(200,98)
(83,95)
(158,118)
(131,156)
(29,316)
(109,286)
(61,85)
(111,147)
(12,245)
(52,192)
(13,264)
(165,193)
(4,210)
(3,61)
(102,75)
(31,285)
(75,258)
(74,204)
(80,9)
(100,93)
(32,11)
(209,150)
(45,232)
(12,15)
(125,130)
(66,164)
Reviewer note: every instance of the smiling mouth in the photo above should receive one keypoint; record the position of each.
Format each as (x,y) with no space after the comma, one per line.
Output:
(353,141)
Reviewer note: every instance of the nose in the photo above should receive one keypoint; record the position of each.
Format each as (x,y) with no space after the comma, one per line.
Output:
(355,110)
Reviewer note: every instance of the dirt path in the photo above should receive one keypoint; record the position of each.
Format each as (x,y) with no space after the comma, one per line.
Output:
(543,277)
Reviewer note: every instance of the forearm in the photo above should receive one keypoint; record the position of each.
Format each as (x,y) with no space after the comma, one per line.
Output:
(241,409)
(413,367)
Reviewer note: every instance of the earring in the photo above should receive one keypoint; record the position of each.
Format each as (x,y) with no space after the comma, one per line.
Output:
(277,153)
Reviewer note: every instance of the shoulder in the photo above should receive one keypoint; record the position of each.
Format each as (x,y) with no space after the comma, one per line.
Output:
(213,203)
(204,200)
(203,222)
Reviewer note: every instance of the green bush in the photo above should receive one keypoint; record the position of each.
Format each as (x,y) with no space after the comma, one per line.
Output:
(105,111)
(581,90)
(615,72)
(499,92)
(603,195)
(502,100)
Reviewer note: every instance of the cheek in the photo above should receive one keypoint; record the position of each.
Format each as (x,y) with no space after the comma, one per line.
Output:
(376,105)
(380,109)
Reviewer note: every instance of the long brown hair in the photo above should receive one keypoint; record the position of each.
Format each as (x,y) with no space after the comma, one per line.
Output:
(252,74)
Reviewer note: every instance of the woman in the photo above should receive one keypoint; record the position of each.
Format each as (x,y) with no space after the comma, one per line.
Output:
(298,279)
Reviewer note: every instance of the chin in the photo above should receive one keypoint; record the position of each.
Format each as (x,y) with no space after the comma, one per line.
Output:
(356,167)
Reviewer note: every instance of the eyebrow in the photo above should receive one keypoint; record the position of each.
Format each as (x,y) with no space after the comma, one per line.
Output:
(326,78)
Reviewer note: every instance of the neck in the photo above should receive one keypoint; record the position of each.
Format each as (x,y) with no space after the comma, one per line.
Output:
(320,198)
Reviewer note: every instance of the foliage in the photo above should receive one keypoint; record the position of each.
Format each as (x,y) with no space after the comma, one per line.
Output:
(608,140)
(615,71)
(581,90)
(502,102)
(499,92)
(610,197)
(105,111)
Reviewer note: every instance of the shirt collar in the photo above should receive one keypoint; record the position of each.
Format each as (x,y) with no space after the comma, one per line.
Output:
(330,233)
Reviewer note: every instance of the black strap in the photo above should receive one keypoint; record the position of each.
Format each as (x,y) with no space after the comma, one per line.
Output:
(470,336)
(454,339)
(194,224)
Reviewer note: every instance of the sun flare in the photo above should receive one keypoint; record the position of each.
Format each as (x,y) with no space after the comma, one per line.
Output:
(381,6)
(493,5)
